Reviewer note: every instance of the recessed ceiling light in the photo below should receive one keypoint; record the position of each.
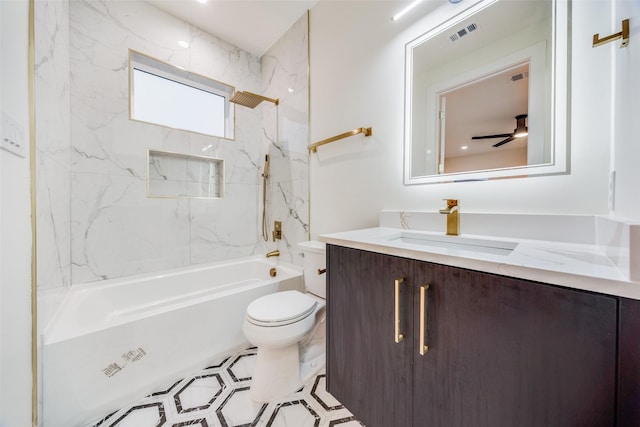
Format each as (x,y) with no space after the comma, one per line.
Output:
(464,147)
(291,90)
(202,1)
(183,44)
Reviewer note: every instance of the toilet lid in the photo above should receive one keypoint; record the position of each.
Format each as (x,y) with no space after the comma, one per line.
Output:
(280,308)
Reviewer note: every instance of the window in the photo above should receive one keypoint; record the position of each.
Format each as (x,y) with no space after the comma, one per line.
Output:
(170,96)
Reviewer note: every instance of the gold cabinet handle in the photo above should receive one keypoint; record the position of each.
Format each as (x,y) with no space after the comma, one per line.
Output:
(423,319)
(398,335)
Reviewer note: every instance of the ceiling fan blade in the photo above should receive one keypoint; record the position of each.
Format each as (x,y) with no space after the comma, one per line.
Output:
(500,135)
(504,141)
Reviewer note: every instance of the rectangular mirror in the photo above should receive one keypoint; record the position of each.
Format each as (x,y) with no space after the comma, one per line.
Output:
(170,96)
(486,94)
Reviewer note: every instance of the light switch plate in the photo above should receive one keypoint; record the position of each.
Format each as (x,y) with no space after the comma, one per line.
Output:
(12,136)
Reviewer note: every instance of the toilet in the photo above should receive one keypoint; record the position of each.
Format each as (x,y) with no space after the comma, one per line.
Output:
(289,330)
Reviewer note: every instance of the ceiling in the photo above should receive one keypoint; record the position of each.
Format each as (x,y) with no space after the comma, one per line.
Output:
(253,25)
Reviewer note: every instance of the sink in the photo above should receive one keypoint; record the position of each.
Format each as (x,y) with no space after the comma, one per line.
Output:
(487,246)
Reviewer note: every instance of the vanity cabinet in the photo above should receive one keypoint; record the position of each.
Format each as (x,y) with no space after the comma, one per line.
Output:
(501,351)
(629,364)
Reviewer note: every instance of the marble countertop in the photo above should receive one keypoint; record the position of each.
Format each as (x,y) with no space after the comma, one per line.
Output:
(572,265)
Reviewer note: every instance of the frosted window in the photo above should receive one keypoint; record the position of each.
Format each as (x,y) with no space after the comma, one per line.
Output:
(169,96)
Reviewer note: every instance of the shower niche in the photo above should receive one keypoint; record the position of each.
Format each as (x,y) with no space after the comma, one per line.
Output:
(175,175)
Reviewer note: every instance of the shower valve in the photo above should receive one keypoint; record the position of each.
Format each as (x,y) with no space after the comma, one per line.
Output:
(277,230)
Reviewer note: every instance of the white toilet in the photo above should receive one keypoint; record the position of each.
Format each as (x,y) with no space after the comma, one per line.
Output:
(289,330)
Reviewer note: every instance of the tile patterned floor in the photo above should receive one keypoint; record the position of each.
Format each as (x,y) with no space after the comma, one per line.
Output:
(218,396)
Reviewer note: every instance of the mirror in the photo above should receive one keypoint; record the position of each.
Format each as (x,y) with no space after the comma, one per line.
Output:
(486,94)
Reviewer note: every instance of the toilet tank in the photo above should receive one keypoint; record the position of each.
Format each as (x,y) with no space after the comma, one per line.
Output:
(314,267)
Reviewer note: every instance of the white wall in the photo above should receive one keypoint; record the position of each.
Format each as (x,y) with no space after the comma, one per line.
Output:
(357,66)
(15,226)
(626,109)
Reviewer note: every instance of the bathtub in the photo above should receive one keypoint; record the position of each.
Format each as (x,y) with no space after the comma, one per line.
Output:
(120,339)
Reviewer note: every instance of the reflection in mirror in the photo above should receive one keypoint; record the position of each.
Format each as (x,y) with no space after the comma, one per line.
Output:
(475,79)
(477,126)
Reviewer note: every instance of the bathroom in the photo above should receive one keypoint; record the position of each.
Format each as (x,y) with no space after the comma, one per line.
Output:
(310,197)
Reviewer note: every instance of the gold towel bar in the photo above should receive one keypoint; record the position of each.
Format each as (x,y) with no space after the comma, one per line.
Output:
(367,132)
(624,35)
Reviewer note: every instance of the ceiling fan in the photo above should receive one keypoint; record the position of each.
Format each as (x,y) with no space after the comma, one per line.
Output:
(518,132)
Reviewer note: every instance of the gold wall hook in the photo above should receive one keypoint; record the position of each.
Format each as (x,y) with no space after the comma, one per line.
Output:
(624,35)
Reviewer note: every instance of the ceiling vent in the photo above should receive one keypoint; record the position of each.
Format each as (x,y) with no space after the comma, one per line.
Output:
(519,76)
(462,32)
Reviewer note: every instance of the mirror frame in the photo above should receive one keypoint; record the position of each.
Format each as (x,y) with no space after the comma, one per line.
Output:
(559,117)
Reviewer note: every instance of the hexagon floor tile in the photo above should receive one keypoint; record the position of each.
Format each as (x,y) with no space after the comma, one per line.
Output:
(218,396)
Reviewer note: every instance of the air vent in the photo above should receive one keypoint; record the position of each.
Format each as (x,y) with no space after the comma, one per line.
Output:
(519,76)
(462,32)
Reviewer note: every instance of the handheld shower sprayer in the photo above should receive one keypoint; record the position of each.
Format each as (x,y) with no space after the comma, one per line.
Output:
(265,171)
(265,175)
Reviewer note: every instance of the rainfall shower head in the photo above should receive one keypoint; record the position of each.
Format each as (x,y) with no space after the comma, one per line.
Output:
(251,100)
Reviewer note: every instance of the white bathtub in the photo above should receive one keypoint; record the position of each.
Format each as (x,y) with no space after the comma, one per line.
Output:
(120,339)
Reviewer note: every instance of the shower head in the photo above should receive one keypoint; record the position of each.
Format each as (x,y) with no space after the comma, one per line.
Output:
(251,100)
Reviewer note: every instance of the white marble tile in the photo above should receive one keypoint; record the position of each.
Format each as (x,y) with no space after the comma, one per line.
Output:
(241,369)
(189,401)
(294,414)
(285,138)
(53,149)
(239,409)
(117,231)
(199,393)
(100,154)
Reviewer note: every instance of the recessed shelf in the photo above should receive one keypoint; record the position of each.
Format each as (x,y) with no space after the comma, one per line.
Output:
(175,175)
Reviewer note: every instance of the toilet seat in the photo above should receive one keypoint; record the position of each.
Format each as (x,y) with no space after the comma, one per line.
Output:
(280,309)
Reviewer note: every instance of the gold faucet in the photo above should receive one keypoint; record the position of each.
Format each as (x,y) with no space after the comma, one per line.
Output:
(273,253)
(452,212)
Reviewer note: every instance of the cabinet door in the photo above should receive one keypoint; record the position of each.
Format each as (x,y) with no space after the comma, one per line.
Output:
(629,364)
(367,370)
(505,352)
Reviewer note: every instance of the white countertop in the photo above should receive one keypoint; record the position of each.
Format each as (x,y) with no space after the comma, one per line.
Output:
(572,265)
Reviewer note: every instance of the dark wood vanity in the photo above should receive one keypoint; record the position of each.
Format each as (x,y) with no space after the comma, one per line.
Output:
(500,351)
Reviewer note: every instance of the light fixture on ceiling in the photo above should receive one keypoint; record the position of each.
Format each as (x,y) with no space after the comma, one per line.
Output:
(406,10)
(520,130)
(202,1)
(411,6)
(183,44)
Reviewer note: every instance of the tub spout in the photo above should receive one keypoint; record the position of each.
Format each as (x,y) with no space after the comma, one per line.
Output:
(273,253)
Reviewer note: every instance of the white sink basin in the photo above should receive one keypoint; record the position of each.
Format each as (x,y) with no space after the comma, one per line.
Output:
(497,247)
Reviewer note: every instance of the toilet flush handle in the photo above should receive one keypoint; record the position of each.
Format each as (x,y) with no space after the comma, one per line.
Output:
(321,271)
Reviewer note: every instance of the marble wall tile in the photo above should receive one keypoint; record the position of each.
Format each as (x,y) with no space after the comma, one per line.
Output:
(52,94)
(225,228)
(286,137)
(97,221)
(117,231)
